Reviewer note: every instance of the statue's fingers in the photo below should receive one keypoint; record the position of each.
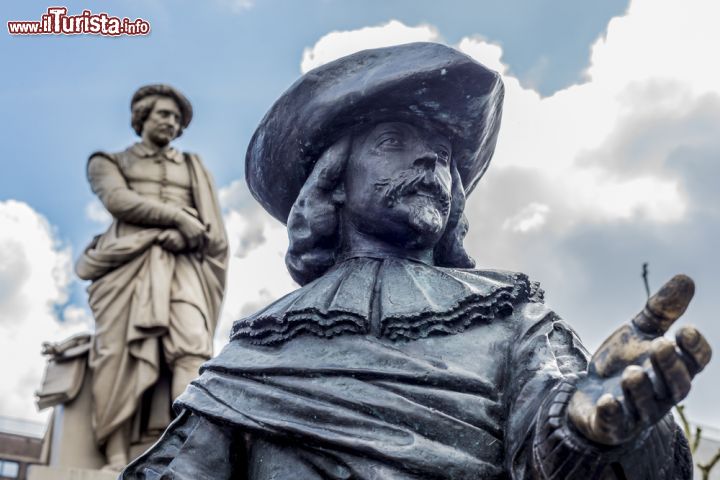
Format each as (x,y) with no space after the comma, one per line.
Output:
(204,241)
(639,392)
(608,418)
(666,306)
(695,347)
(608,407)
(193,242)
(670,368)
(165,241)
(178,243)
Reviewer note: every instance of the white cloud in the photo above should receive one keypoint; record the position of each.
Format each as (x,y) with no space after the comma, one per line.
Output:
(550,135)
(639,76)
(96,212)
(73,315)
(623,163)
(256,273)
(660,39)
(237,197)
(483,51)
(530,218)
(340,43)
(34,277)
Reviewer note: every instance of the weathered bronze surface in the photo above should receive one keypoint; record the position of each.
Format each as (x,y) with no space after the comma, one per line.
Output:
(397,359)
(637,375)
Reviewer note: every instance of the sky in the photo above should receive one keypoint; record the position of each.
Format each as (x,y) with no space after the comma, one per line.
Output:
(608,156)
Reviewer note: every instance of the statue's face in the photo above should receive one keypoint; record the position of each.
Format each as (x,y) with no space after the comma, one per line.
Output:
(398,184)
(163,123)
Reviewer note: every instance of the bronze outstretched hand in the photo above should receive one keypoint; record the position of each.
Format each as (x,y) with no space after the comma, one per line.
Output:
(637,375)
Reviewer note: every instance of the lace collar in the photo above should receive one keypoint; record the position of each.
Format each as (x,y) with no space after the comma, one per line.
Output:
(389,297)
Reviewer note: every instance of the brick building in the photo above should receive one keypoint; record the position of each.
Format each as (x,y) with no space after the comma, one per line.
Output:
(21,445)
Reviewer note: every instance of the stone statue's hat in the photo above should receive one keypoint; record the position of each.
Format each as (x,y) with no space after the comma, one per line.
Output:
(167,91)
(416,82)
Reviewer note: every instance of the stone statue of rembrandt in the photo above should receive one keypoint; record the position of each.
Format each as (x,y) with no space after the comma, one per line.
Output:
(157,273)
(397,359)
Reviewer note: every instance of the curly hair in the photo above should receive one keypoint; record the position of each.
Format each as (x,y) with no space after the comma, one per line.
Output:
(314,220)
(141,111)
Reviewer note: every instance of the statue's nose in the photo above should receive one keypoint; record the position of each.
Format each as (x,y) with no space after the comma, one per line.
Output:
(427,160)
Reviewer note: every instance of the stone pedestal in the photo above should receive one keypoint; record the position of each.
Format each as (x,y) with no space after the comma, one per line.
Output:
(39,472)
(71,440)
(72,443)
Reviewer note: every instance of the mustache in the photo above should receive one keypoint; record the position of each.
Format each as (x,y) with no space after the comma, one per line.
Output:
(410,182)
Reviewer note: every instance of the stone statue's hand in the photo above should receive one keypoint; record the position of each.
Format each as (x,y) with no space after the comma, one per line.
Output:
(637,375)
(172,240)
(193,230)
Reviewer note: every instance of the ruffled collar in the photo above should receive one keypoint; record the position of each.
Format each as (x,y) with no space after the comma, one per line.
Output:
(389,297)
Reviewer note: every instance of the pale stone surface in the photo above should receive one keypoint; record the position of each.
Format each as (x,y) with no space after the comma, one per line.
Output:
(70,438)
(72,441)
(39,472)
(157,281)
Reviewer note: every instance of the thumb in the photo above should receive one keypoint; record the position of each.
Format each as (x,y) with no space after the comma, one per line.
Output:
(666,306)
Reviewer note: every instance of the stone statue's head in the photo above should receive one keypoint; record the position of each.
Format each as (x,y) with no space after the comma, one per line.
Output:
(377,151)
(160,113)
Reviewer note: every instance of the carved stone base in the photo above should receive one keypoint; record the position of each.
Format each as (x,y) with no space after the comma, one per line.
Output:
(70,439)
(39,472)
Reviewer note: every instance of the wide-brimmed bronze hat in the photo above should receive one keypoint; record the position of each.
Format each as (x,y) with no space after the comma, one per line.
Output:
(423,82)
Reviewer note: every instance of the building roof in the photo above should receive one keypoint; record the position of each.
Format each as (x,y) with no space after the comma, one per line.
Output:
(25,428)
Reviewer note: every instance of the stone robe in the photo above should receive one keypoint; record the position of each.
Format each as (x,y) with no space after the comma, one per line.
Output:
(390,369)
(151,306)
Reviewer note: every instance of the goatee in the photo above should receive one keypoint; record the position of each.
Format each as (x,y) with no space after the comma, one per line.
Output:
(425,217)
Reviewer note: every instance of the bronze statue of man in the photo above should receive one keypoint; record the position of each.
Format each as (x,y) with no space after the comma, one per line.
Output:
(158,273)
(397,359)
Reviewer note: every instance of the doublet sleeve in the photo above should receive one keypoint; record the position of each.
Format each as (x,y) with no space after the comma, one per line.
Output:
(109,184)
(545,365)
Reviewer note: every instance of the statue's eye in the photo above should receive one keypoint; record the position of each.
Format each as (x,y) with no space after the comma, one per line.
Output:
(389,141)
